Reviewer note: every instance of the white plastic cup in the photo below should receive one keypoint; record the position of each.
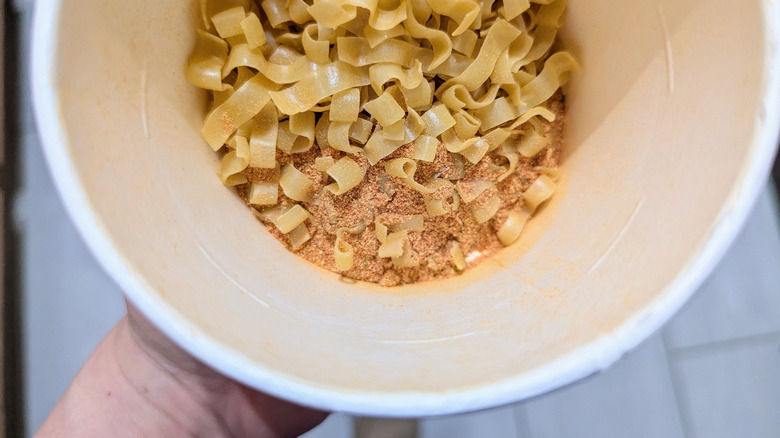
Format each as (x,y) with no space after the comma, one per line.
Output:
(671,130)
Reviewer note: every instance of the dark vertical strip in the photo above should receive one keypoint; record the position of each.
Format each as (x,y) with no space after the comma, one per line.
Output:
(776,173)
(13,396)
(3,222)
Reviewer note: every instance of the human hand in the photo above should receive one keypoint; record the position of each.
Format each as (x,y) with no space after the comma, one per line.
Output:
(139,383)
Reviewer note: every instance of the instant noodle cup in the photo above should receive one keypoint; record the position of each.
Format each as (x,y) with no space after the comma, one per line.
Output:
(671,131)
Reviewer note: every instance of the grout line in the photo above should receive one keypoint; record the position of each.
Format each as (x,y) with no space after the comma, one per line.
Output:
(773,188)
(522,427)
(677,390)
(776,173)
(724,344)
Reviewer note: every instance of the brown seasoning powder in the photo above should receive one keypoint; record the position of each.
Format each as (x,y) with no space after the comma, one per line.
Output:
(386,197)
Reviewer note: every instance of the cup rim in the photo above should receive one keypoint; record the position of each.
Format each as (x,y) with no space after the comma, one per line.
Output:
(586,360)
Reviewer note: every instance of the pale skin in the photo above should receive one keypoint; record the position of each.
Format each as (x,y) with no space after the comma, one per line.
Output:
(138,383)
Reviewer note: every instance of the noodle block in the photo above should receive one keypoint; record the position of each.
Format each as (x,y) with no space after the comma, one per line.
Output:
(418,98)
(276,12)
(228,22)
(253,31)
(238,109)
(379,147)
(263,193)
(317,50)
(347,174)
(358,52)
(295,184)
(385,109)
(512,228)
(437,120)
(425,148)
(539,192)
(331,14)
(464,12)
(457,256)
(262,143)
(298,236)
(343,253)
(325,81)
(393,246)
(323,163)
(204,67)
(486,212)
(531,144)
(454,99)
(360,131)
(292,218)
(415,223)
(345,106)
(231,169)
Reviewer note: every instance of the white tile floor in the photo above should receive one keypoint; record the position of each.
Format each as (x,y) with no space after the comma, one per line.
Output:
(635,398)
(714,371)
